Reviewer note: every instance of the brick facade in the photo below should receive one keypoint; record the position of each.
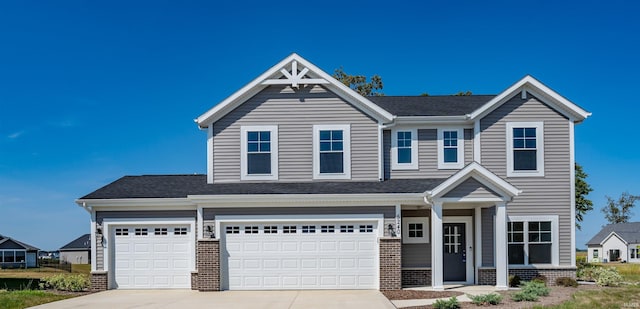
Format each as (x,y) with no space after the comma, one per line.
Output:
(390,264)
(487,276)
(194,280)
(208,257)
(99,281)
(416,277)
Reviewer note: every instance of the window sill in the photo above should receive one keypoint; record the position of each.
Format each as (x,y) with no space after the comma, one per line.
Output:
(259,177)
(525,174)
(331,176)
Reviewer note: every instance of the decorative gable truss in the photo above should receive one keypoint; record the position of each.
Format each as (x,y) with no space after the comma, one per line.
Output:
(294,77)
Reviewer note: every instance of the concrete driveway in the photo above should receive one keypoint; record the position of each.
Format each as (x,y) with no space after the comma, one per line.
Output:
(183,299)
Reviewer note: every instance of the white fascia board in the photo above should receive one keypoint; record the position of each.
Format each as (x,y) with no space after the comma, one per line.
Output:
(481,174)
(295,200)
(161,203)
(531,84)
(425,120)
(260,83)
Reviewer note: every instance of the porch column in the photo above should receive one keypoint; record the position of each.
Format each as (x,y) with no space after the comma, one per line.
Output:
(501,246)
(477,253)
(436,247)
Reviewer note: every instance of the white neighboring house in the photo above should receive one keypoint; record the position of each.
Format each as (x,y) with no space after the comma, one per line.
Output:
(77,251)
(616,242)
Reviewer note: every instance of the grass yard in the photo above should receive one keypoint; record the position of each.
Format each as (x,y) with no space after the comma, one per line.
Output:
(81,268)
(30,273)
(621,297)
(630,272)
(27,298)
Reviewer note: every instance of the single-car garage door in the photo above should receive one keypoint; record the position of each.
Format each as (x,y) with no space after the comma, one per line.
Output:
(299,255)
(152,257)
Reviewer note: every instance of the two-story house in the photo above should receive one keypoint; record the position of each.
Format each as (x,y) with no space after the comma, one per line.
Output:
(310,185)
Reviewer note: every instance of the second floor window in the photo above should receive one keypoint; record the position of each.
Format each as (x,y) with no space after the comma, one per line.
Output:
(404,151)
(332,152)
(450,148)
(259,152)
(525,153)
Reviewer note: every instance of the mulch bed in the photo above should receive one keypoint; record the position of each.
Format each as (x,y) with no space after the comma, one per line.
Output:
(557,296)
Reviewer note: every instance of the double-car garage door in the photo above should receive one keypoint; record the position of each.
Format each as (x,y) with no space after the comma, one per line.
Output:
(299,255)
(256,255)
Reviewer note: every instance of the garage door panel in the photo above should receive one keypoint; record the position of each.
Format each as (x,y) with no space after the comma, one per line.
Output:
(299,256)
(147,257)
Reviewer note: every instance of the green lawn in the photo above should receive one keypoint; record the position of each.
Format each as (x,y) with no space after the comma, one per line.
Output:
(81,268)
(26,298)
(621,297)
(30,273)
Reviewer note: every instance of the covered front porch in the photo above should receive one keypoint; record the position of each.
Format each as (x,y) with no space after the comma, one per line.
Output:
(459,236)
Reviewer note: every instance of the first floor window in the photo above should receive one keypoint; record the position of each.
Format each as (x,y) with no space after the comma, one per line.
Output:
(595,253)
(415,230)
(633,253)
(530,242)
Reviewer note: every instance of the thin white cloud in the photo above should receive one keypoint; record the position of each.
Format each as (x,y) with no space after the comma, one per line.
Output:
(15,135)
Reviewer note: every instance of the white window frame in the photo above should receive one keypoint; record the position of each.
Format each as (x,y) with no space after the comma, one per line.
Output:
(450,165)
(346,151)
(555,238)
(415,240)
(539,126)
(413,165)
(244,175)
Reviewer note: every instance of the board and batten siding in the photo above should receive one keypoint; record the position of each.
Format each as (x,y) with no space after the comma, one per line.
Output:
(427,156)
(295,112)
(548,195)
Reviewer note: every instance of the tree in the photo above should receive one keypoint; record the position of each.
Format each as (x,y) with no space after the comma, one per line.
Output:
(619,211)
(463,93)
(583,204)
(359,83)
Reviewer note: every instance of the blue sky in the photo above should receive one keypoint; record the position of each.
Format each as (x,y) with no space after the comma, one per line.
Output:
(91,91)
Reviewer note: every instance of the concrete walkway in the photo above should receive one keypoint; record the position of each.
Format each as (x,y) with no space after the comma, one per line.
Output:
(183,299)
(467,290)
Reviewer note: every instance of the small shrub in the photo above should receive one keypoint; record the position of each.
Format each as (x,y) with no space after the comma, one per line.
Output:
(586,271)
(486,299)
(523,296)
(73,283)
(566,281)
(608,277)
(451,303)
(540,278)
(514,281)
(531,291)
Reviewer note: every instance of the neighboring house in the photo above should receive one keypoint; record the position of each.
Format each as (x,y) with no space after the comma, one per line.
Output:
(615,242)
(16,254)
(78,251)
(310,185)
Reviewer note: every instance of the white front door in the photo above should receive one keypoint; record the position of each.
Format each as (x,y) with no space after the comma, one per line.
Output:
(299,255)
(151,256)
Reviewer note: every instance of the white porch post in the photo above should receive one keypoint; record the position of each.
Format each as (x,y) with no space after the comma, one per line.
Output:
(477,253)
(436,247)
(94,265)
(200,224)
(501,246)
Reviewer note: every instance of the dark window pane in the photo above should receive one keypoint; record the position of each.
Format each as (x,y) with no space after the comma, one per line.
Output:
(336,135)
(412,233)
(252,136)
(259,163)
(524,160)
(530,143)
(450,155)
(404,155)
(518,143)
(20,257)
(252,147)
(518,132)
(540,253)
(265,136)
(530,132)
(545,236)
(453,143)
(534,237)
(336,146)
(534,226)
(331,163)
(325,135)
(518,237)
(516,254)
(518,226)
(545,226)
(419,233)
(325,146)
(265,147)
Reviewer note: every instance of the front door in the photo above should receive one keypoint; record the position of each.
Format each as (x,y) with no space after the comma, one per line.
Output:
(455,255)
(614,255)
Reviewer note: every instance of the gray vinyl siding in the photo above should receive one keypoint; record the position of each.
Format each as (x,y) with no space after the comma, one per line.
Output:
(548,195)
(295,113)
(427,156)
(473,189)
(138,214)
(488,227)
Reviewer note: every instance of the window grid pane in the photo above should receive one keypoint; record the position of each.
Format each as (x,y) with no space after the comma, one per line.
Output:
(258,152)
(331,151)
(450,145)
(524,149)
(404,146)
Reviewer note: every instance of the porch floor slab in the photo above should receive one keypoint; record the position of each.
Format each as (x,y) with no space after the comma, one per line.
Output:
(466,289)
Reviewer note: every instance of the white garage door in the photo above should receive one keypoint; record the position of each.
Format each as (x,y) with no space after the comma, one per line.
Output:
(152,257)
(325,255)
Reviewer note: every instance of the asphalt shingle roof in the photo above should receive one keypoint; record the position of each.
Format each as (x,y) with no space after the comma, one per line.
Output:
(179,186)
(629,231)
(81,243)
(449,105)
(26,246)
